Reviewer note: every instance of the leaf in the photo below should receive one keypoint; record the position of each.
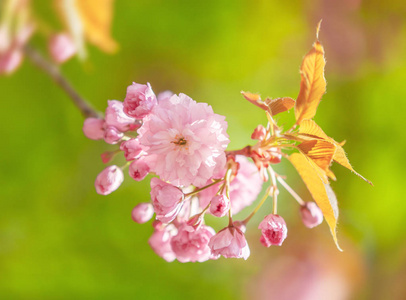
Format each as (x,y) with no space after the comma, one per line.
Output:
(320,151)
(312,84)
(309,128)
(255,99)
(279,105)
(321,192)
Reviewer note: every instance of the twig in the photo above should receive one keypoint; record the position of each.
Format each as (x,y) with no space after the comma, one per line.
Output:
(37,59)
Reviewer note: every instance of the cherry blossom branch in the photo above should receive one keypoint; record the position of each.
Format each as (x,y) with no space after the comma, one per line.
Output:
(42,63)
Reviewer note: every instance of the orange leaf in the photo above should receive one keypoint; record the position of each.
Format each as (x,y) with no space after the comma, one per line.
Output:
(311,129)
(312,84)
(321,192)
(320,151)
(280,104)
(255,99)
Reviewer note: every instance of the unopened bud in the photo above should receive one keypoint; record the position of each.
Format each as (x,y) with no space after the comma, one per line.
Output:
(311,214)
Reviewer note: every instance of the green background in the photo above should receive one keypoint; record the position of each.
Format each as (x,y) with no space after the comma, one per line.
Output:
(61,240)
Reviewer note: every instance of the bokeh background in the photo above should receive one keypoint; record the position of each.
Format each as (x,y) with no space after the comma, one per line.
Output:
(61,240)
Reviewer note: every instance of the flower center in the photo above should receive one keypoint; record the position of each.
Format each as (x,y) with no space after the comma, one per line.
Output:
(179,141)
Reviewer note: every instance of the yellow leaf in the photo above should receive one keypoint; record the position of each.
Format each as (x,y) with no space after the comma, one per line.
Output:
(280,104)
(309,128)
(312,84)
(321,192)
(320,151)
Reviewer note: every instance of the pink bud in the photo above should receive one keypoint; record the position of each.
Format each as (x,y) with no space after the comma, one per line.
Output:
(259,133)
(138,169)
(274,230)
(107,156)
(220,205)
(112,135)
(61,47)
(191,245)
(109,180)
(142,213)
(160,242)
(230,242)
(93,128)
(116,117)
(132,149)
(311,214)
(139,100)
(10,61)
(195,221)
(166,199)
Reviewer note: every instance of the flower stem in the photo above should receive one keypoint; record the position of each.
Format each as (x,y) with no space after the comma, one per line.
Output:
(39,61)
(246,151)
(275,191)
(246,220)
(203,188)
(290,190)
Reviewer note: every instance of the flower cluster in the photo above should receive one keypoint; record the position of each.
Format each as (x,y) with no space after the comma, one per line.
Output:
(183,144)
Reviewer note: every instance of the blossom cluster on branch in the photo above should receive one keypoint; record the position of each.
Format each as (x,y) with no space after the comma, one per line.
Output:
(184,144)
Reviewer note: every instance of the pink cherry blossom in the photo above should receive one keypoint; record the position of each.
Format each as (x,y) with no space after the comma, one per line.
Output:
(138,169)
(160,241)
(142,213)
(191,245)
(219,205)
(244,189)
(274,230)
(230,243)
(311,214)
(112,135)
(109,180)
(132,149)
(186,140)
(165,95)
(93,128)
(139,100)
(61,47)
(116,117)
(259,133)
(166,199)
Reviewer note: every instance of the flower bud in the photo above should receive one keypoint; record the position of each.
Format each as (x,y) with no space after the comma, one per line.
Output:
(220,205)
(139,100)
(230,242)
(116,117)
(10,61)
(142,213)
(61,47)
(132,149)
(93,128)
(138,169)
(112,135)
(274,230)
(259,133)
(311,214)
(107,156)
(109,180)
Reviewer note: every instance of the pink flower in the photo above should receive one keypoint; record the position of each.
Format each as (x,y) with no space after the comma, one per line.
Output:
(116,117)
(230,242)
(185,140)
(244,189)
(220,205)
(10,61)
(259,133)
(166,199)
(112,135)
(61,47)
(138,169)
(132,149)
(139,101)
(165,95)
(142,213)
(274,230)
(160,242)
(93,128)
(191,245)
(311,214)
(109,180)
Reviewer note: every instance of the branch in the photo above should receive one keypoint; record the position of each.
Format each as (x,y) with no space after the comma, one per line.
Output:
(38,60)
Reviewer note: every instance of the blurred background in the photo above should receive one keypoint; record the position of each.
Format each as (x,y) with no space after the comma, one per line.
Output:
(61,240)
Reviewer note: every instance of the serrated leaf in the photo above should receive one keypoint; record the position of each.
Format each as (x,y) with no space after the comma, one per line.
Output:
(312,84)
(309,128)
(321,192)
(279,105)
(320,151)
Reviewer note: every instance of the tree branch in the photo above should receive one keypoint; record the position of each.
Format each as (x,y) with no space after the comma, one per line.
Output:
(38,60)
